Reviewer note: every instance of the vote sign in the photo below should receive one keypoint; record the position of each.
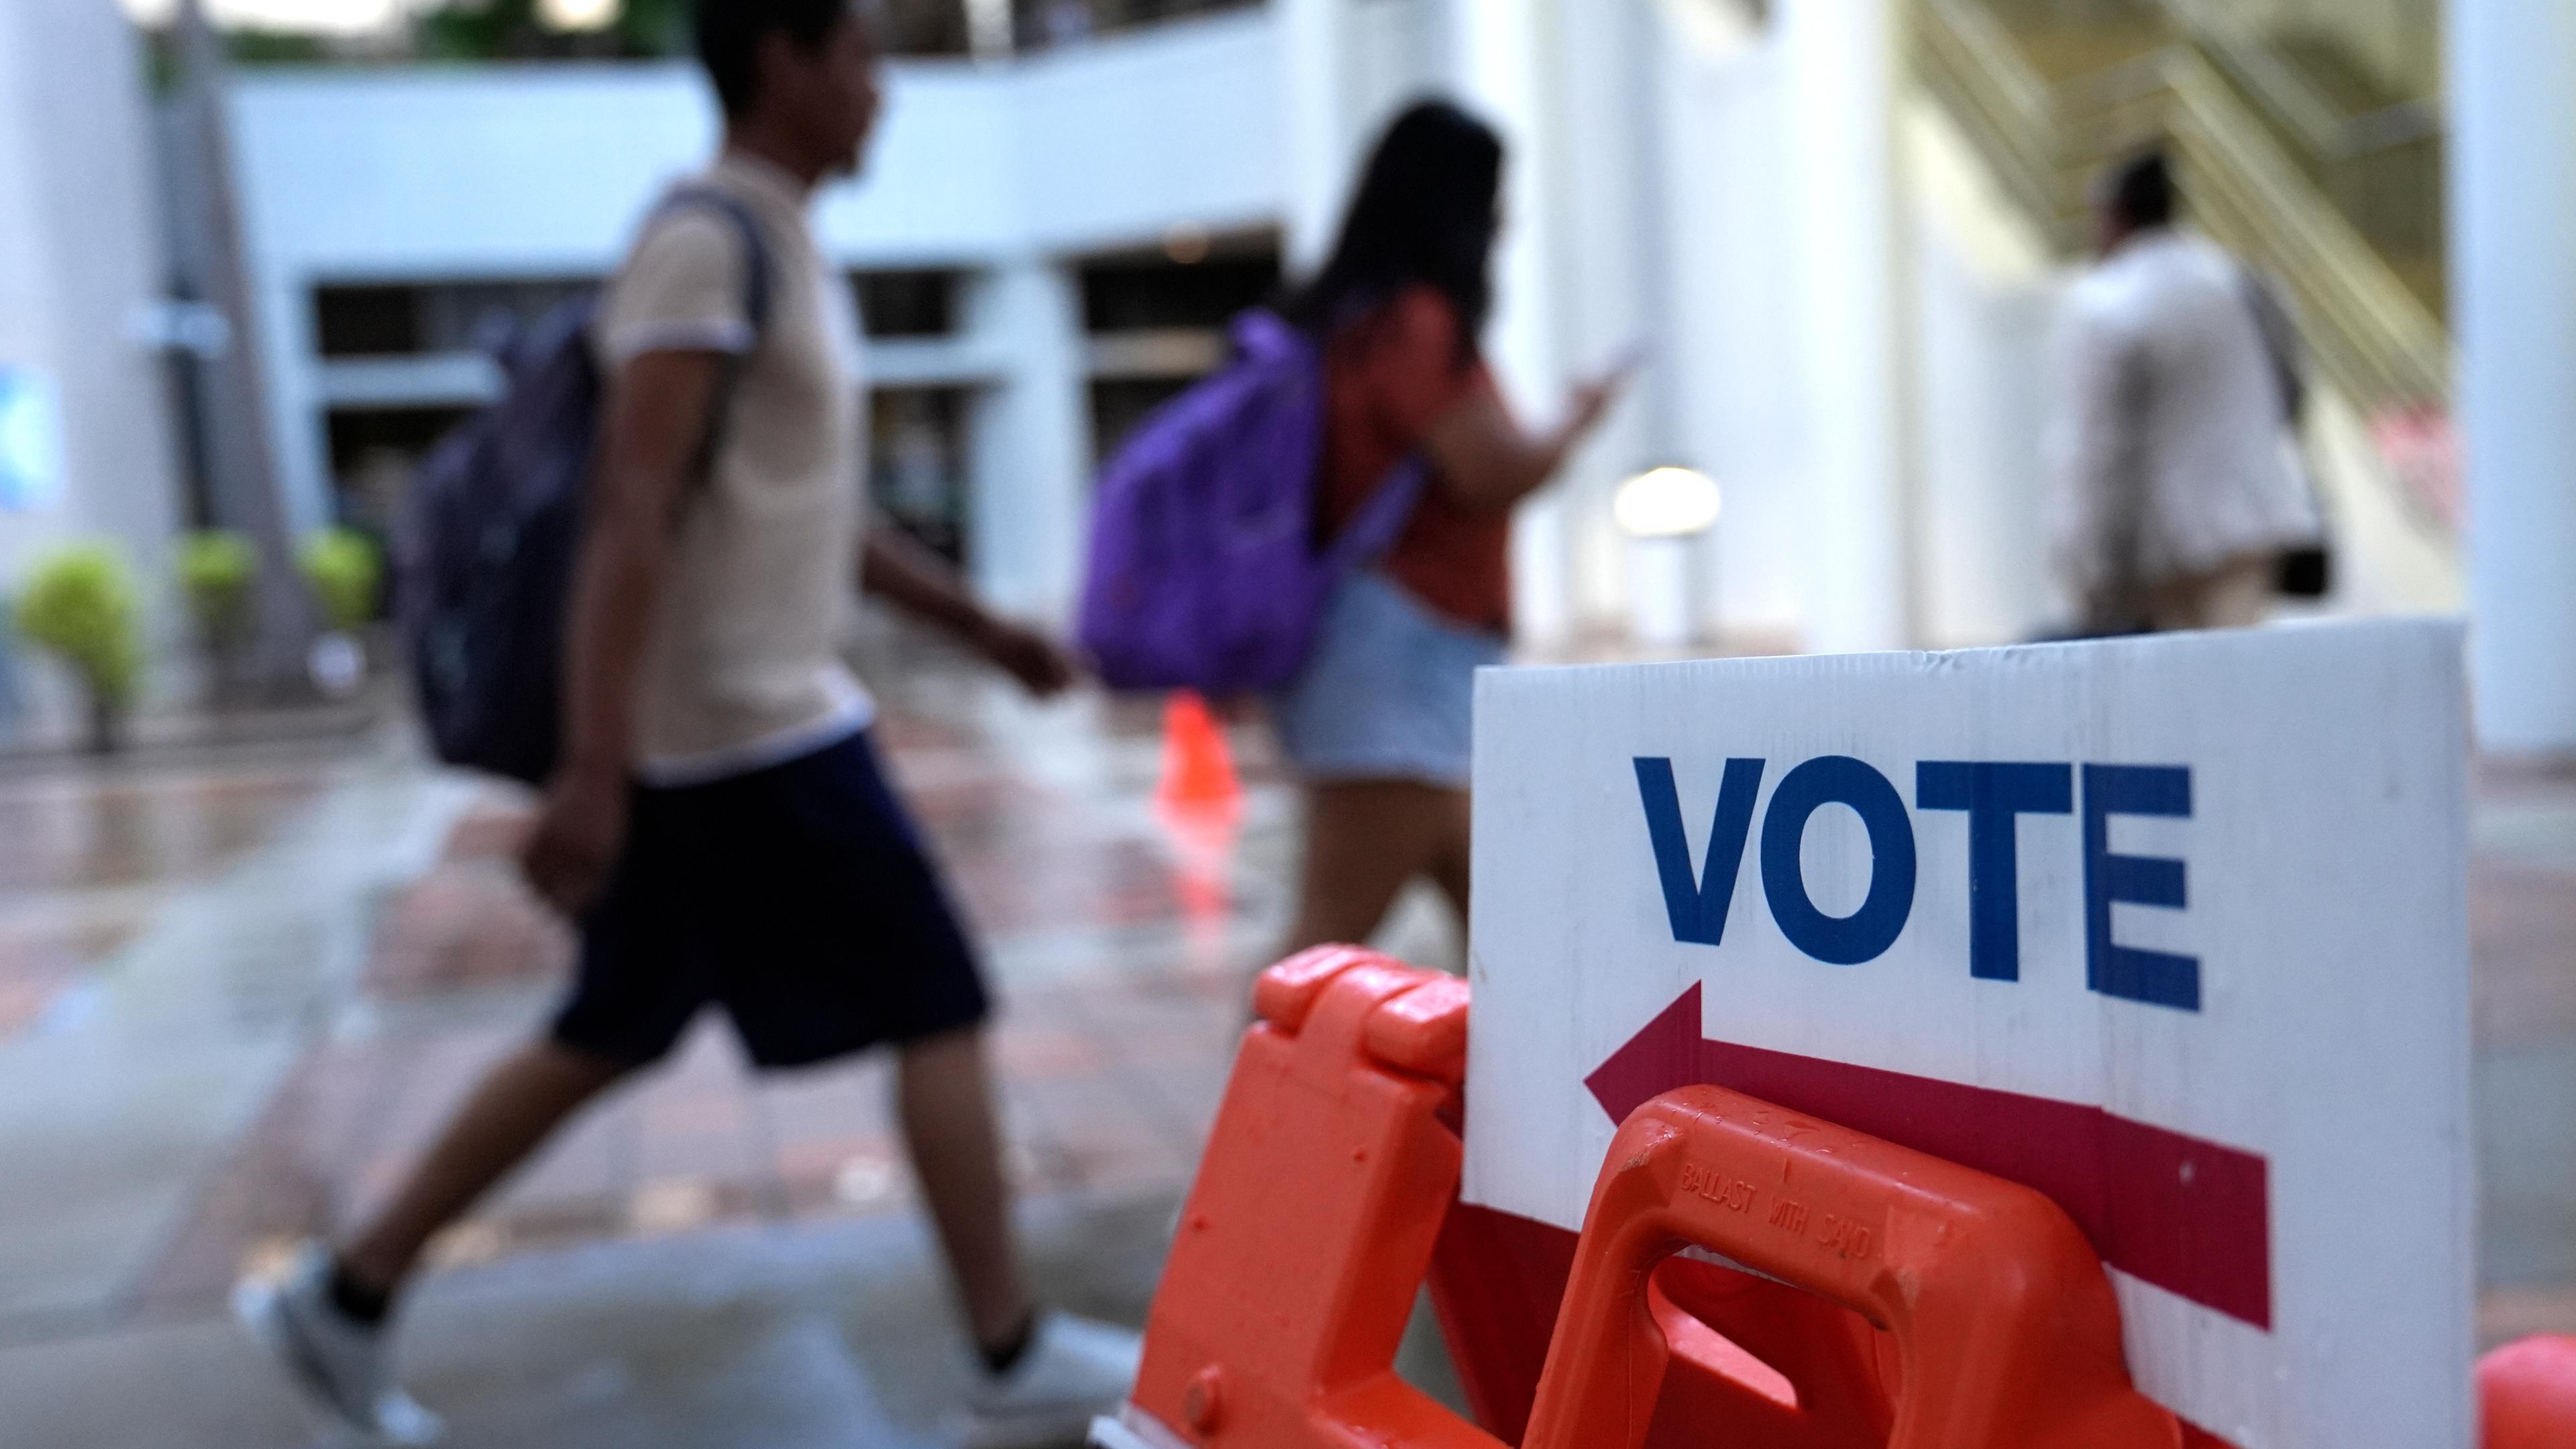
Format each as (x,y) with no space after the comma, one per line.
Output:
(2171,929)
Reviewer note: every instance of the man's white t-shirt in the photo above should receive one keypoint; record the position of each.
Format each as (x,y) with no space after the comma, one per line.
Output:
(2174,428)
(742,668)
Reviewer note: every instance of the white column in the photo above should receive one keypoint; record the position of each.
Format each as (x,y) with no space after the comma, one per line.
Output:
(1029,471)
(1498,50)
(299,422)
(1612,290)
(1841,57)
(2513,290)
(1499,57)
(82,261)
(1316,94)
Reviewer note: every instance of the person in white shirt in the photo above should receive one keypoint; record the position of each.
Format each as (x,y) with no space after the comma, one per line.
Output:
(720,827)
(2179,483)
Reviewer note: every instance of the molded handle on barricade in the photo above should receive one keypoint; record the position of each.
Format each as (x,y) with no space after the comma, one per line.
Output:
(1306,1237)
(2005,1325)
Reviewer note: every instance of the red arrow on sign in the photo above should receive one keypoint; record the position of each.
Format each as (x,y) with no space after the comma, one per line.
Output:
(2190,1216)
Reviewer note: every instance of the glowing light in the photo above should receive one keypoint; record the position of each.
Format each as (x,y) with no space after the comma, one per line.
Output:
(1667,503)
(31,443)
(579,14)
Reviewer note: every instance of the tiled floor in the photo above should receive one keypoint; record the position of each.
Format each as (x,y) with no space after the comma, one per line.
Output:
(1118,942)
(86,857)
(2522,927)
(349,929)
(316,955)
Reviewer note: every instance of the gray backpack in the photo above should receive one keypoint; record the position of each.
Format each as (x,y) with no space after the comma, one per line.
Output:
(494,528)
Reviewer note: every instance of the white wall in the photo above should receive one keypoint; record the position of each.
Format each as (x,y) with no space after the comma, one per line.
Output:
(439,174)
(1651,193)
(1986,296)
(1120,139)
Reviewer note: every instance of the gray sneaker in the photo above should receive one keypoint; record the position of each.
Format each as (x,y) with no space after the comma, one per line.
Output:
(339,1362)
(1073,1370)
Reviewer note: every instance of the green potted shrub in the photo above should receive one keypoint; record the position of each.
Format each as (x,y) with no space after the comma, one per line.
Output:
(218,569)
(346,573)
(80,604)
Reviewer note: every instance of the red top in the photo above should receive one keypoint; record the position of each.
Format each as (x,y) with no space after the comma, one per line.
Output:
(1387,379)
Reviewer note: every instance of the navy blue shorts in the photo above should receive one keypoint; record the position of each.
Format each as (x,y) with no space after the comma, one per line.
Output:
(799,897)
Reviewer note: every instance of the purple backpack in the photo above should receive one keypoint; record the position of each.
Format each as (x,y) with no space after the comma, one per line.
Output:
(495,523)
(1205,570)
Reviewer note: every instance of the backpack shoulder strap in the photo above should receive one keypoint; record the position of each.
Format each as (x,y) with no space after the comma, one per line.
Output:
(756,289)
(2279,329)
(756,281)
(1381,520)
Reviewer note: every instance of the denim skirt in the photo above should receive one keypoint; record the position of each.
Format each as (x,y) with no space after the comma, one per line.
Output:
(1389,693)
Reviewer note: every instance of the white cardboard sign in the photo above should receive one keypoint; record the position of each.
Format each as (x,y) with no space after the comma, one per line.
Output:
(2174,929)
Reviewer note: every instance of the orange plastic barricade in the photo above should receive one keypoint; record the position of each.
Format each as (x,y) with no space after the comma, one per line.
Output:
(2002,1318)
(1311,1225)
(1745,1277)
(2527,1394)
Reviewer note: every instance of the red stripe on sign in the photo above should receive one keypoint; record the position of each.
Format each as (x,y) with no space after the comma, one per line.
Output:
(2192,1217)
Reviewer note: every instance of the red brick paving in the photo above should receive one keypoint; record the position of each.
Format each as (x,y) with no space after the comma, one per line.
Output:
(87,831)
(87,855)
(2522,930)
(1110,1068)
(1109,1074)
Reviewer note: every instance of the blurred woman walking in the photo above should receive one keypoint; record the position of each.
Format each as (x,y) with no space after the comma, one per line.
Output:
(1376,725)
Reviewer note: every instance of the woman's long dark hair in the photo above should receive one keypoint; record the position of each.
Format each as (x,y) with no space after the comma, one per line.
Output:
(1426,213)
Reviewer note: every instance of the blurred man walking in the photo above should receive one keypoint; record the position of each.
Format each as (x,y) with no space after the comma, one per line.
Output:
(2180,484)
(720,822)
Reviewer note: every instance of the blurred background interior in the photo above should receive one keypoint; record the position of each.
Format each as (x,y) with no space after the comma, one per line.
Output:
(254,259)
(1838,234)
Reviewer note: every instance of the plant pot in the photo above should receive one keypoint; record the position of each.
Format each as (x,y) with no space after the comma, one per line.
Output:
(106,724)
(225,654)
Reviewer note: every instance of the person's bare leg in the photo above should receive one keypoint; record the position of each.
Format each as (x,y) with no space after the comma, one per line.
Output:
(1364,840)
(944,1100)
(522,1099)
(2242,593)
(2238,594)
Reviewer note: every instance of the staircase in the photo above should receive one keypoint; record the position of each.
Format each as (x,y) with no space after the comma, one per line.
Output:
(2293,153)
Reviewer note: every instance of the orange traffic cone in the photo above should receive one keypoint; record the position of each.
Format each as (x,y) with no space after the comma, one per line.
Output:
(1198,769)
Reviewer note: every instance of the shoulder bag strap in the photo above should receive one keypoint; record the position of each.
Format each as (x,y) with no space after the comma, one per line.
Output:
(1374,529)
(756,300)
